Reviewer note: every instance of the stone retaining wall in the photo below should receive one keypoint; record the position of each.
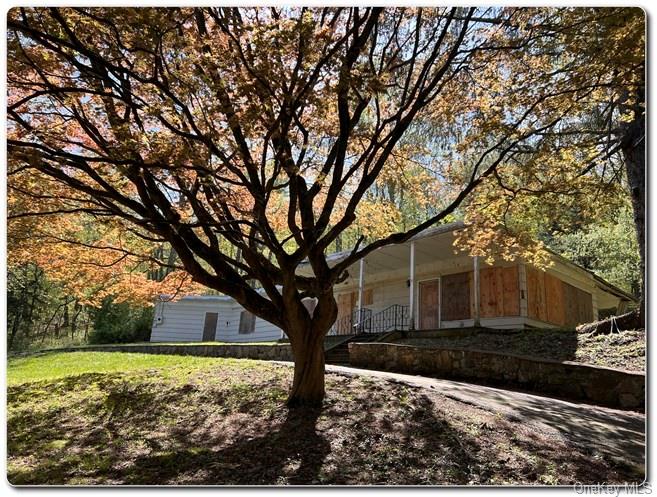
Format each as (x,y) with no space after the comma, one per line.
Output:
(281,352)
(595,384)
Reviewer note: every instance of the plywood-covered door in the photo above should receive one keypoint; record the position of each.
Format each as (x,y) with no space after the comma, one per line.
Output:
(429,305)
(455,296)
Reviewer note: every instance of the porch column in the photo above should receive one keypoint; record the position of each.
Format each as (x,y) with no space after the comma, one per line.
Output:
(476,290)
(361,281)
(411,291)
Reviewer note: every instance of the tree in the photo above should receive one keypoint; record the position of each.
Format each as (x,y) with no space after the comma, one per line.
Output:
(591,163)
(247,139)
(608,248)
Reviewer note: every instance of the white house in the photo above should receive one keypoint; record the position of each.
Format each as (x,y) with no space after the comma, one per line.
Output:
(209,318)
(423,284)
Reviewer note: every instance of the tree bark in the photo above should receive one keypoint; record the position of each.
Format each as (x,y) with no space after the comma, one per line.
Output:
(634,153)
(306,331)
(633,147)
(613,324)
(308,384)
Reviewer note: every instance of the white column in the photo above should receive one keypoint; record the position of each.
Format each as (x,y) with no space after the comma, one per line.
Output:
(476,290)
(411,290)
(522,283)
(361,281)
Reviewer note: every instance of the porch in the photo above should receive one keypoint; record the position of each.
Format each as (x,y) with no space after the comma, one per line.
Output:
(426,284)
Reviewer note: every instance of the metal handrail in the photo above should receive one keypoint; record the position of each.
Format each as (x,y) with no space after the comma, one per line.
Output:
(394,317)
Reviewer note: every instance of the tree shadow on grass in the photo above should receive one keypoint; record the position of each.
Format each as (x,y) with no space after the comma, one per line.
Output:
(292,453)
(369,432)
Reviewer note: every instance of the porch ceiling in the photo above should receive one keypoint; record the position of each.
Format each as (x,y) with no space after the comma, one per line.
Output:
(427,250)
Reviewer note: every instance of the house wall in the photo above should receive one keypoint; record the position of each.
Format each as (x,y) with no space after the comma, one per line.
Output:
(508,297)
(183,320)
(560,296)
(264,331)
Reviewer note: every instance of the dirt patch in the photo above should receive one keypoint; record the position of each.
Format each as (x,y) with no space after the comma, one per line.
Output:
(624,350)
(223,423)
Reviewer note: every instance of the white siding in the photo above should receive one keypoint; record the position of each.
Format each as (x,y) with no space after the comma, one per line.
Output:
(183,320)
(264,331)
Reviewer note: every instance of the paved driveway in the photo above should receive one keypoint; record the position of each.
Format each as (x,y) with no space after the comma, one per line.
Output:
(619,434)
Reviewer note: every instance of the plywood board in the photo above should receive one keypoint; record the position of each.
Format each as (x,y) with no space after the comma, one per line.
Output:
(554,300)
(536,305)
(456,296)
(345,312)
(491,303)
(429,305)
(510,291)
(499,292)
(579,305)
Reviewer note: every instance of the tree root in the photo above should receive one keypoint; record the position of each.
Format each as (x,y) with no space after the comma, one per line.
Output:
(613,324)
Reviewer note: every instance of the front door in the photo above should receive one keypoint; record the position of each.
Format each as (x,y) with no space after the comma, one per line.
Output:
(210,326)
(429,311)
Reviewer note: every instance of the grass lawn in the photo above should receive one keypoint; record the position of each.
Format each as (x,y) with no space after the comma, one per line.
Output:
(121,418)
(625,350)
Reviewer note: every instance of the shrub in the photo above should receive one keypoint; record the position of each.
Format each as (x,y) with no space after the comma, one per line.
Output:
(121,323)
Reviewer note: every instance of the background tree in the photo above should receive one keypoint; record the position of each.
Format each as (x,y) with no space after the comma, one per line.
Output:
(248,139)
(592,164)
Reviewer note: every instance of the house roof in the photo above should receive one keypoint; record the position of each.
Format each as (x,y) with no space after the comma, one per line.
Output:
(212,298)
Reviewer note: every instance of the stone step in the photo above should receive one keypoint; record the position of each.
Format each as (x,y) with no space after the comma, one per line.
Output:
(337,356)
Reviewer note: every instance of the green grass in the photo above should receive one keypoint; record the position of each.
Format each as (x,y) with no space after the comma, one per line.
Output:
(122,418)
(154,344)
(54,365)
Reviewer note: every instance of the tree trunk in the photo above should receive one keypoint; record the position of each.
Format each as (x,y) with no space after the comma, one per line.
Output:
(14,330)
(308,384)
(306,330)
(613,324)
(74,322)
(17,319)
(633,145)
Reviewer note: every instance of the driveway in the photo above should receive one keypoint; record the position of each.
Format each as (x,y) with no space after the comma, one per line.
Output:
(618,434)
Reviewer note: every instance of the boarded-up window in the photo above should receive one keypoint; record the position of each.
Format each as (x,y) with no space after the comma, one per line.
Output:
(499,293)
(455,300)
(554,297)
(210,326)
(579,305)
(247,322)
(368,296)
(554,301)
(536,306)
